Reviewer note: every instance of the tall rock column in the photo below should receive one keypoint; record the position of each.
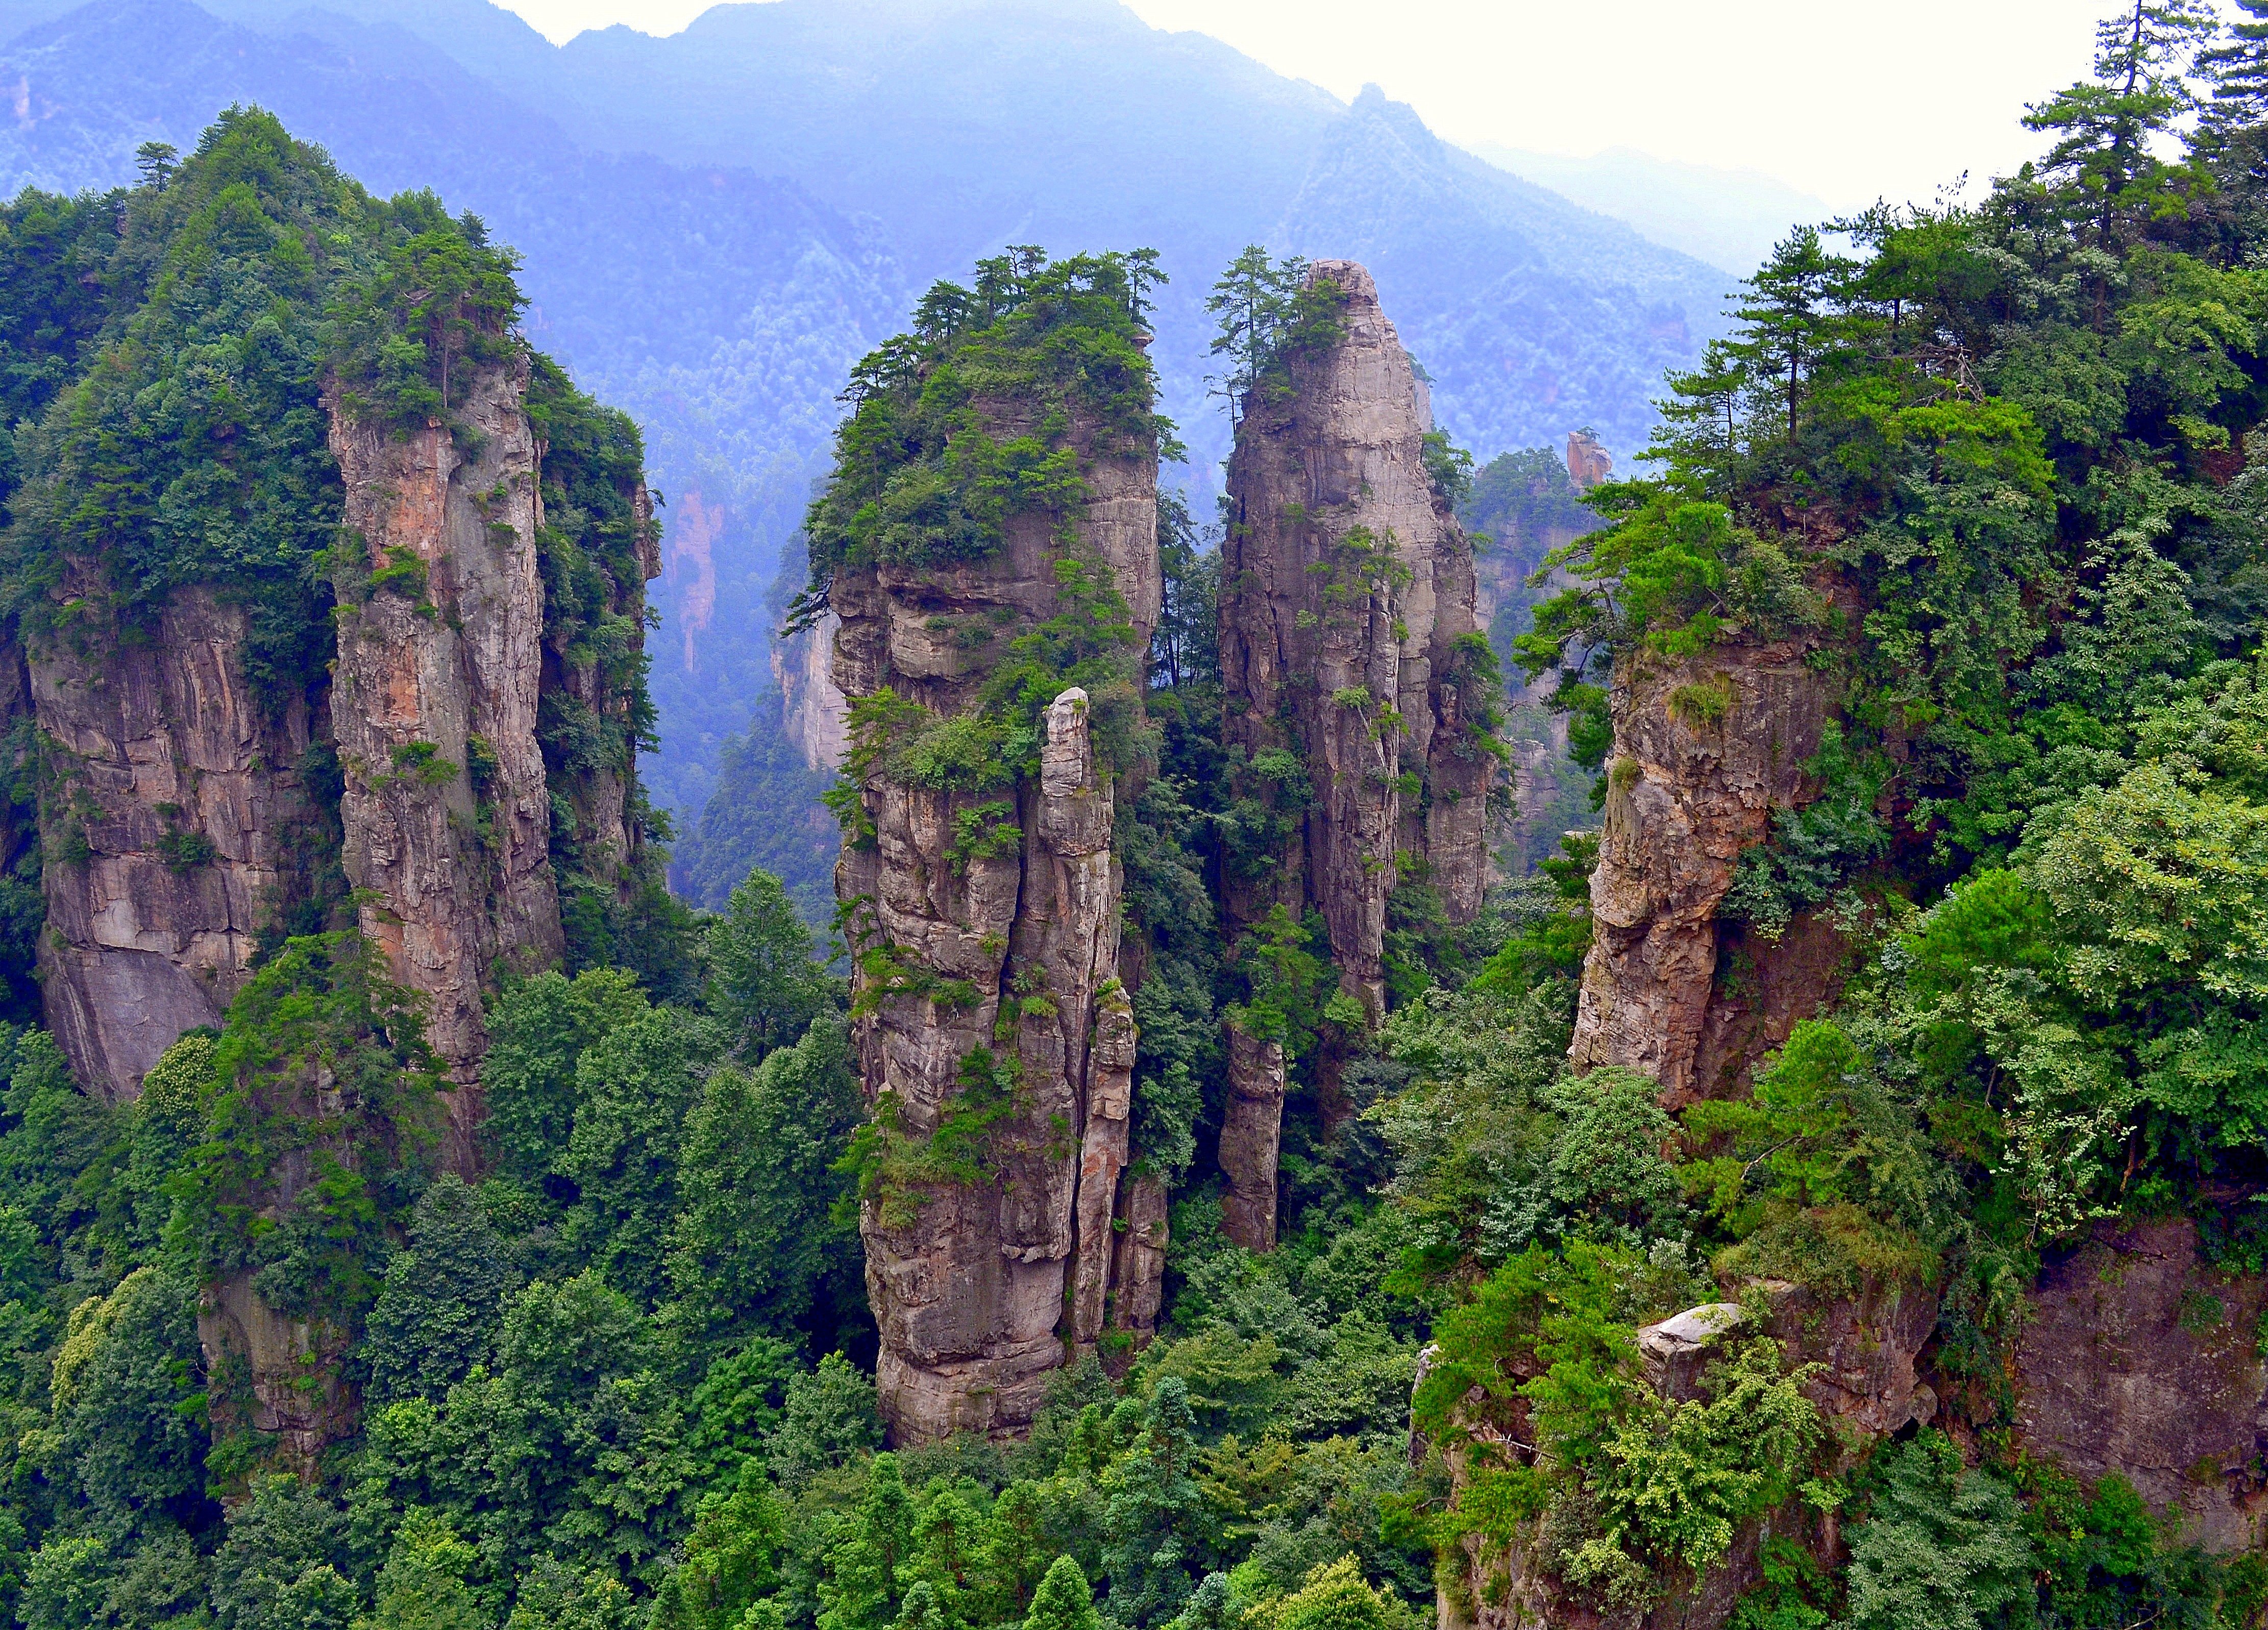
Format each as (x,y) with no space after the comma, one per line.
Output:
(446,811)
(1688,789)
(1349,639)
(988,921)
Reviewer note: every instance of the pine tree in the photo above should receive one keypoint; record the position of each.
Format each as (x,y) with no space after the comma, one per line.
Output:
(2102,127)
(1254,300)
(1064,1601)
(2234,120)
(1150,1523)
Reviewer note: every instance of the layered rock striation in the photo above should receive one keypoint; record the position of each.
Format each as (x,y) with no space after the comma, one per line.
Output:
(188,823)
(177,821)
(987,992)
(445,813)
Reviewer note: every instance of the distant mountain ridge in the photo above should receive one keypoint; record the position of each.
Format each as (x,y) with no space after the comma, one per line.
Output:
(717,223)
(1728,218)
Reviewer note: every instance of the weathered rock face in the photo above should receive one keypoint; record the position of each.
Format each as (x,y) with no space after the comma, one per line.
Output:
(288,1385)
(185,817)
(1704,750)
(446,814)
(2138,1359)
(1346,585)
(1251,1137)
(172,822)
(813,711)
(1006,951)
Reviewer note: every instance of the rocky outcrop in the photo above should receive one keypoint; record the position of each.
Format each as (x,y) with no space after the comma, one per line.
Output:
(2138,1358)
(990,923)
(173,819)
(1589,463)
(446,811)
(812,712)
(1704,750)
(1346,587)
(1251,1133)
(186,821)
(275,1375)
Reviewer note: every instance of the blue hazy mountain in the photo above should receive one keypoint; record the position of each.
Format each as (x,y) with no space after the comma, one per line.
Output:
(1729,218)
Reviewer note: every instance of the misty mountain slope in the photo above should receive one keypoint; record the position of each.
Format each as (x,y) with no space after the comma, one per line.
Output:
(1729,218)
(1533,315)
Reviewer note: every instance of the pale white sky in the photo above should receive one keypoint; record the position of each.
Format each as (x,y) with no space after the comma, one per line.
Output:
(1844,100)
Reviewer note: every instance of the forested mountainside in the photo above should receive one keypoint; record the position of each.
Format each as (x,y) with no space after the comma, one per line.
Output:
(719,224)
(1826,1194)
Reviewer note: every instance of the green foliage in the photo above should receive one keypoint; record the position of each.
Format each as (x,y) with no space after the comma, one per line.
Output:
(1062,1602)
(1939,1548)
(322,1066)
(436,1316)
(1448,468)
(1824,1175)
(895,1166)
(758,1241)
(1680,1478)
(1271,312)
(918,477)
(763,985)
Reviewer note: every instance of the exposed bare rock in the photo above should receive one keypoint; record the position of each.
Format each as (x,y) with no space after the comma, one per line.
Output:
(1138,1276)
(1704,750)
(1675,1351)
(1589,463)
(1102,1159)
(814,713)
(291,1389)
(1346,584)
(1251,1132)
(446,814)
(979,1288)
(2138,1359)
(176,803)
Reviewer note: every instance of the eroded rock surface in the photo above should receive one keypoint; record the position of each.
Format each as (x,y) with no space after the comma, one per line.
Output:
(446,811)
(2138,1359)
(1704,750)
(812,712)
(1348,641)
(176,809)
(1251,1135)
(1346,585)
(1004,956)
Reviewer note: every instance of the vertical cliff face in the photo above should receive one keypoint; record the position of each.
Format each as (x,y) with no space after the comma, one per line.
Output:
(1349,639)
(1689,785)
(812,712)
(187,823)
(1346,587)
(996,914)
(176,818)
(446,811)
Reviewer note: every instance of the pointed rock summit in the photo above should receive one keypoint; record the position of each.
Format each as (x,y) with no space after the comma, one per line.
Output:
(1350,652)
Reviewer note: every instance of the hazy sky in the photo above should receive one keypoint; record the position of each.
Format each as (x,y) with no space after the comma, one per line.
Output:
(1845,99)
